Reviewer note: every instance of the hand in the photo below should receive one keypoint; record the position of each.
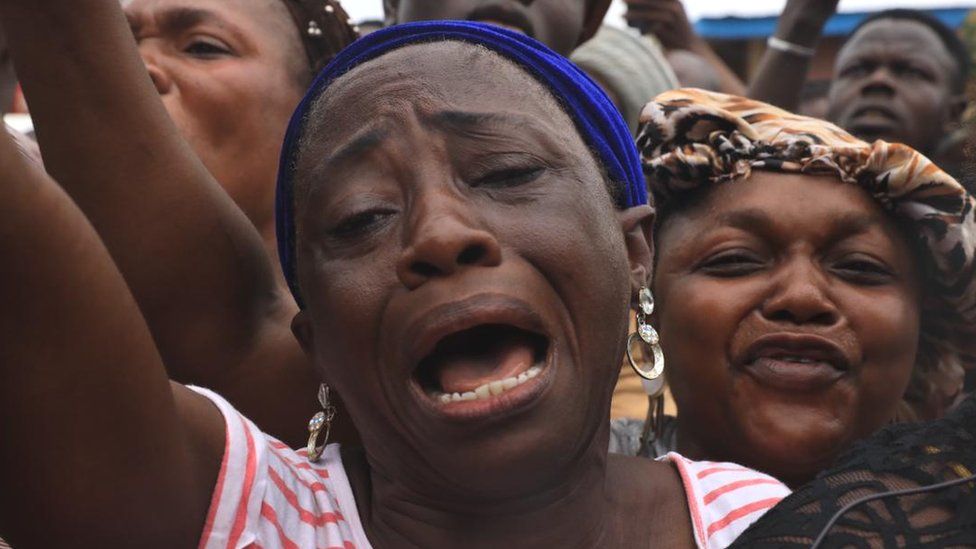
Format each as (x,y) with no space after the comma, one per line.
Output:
(666,19)
(802,21)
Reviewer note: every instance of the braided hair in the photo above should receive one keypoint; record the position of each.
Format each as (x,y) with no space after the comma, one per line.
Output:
(324,28)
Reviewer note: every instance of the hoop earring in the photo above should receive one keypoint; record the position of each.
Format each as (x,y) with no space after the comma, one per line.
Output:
(652,377)
(319,422)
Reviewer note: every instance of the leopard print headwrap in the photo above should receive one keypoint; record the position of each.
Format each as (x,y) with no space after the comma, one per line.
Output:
(324,27)
(689,138)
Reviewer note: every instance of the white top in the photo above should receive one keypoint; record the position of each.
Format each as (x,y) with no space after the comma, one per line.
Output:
(269,496)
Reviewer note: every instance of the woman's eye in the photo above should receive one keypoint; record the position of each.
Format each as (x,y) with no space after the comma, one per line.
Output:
(859,271)
(508,177)
(206,49)
(731,264)
(360,223)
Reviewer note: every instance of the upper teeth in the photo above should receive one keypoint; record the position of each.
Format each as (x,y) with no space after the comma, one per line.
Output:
(487,390)
(800,359)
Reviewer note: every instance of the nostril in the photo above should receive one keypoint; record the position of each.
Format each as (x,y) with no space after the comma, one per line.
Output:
(159,80)
(424,269)
(471,255)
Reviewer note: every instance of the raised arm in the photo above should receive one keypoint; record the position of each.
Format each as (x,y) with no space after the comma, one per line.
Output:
(783,68)
(668,20)
(97,449)
(195,264)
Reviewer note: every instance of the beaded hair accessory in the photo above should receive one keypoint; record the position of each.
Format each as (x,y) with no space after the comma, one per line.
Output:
(324,27)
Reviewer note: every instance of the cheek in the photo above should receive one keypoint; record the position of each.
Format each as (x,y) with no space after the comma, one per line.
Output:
(925,102)
(887,327)
(236,102)
(591,281)
(349,298)
(698,320)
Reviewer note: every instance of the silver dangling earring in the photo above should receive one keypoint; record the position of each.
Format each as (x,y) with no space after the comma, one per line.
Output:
(653,375)
(319,422)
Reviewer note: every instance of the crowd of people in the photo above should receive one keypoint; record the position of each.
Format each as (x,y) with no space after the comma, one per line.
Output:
(537,282)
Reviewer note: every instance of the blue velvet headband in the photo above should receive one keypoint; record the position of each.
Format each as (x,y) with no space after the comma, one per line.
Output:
(595,116)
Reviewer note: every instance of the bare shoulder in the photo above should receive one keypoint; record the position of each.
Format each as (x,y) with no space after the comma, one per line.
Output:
(205,430)
(652,501)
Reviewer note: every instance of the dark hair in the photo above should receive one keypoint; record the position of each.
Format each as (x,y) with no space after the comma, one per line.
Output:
(953,44)
(324,29)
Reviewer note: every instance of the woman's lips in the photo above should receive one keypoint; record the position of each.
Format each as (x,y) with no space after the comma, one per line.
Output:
(795,362)
(481,357)
(492,399)
(790,374)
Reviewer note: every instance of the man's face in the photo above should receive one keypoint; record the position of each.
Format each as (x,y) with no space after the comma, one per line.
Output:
(560,24)
(894,80)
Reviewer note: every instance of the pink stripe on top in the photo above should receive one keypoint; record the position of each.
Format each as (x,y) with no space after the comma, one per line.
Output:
(269,496)
(724,498)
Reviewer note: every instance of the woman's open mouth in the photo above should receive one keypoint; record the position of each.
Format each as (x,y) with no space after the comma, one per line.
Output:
(484,370)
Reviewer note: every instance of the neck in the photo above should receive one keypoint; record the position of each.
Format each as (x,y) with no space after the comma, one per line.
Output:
(794,475)
(578,513)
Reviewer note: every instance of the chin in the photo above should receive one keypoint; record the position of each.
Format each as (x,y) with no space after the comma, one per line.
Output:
(793,443)
(522,461)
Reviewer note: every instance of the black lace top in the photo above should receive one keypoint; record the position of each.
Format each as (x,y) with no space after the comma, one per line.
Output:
(853,504)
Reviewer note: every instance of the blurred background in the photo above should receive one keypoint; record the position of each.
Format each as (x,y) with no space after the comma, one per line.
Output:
(738,30)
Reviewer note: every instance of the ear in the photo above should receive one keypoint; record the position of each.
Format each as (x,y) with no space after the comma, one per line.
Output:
(957,106)
(637,225)
(301,327)
(596,10)
(390,12)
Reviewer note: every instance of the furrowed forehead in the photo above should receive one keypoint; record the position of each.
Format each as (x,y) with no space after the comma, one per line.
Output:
(448,72)
(442,76)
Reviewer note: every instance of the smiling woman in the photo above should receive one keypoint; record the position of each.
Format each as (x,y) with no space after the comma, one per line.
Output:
(811,287)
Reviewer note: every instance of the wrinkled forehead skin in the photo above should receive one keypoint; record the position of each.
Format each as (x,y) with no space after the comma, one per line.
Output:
(424,79)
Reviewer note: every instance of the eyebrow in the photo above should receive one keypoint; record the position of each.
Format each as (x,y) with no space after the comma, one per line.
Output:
(450,121)
(760,221)
(464,121)
(178,19)
(360,145)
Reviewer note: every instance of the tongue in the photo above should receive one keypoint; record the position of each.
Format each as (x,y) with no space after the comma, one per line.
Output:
(466,372)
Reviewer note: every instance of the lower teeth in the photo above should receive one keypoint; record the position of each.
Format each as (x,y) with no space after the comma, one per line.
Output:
(490,389)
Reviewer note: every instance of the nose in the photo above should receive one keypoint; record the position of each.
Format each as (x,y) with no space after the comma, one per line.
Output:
(799,297)
(443,240)
(878,82)
(160,79)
